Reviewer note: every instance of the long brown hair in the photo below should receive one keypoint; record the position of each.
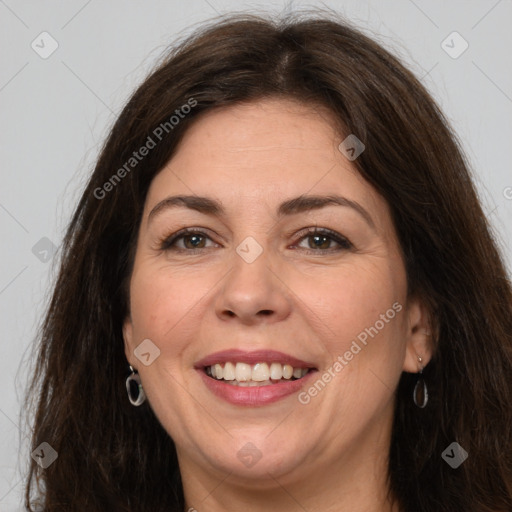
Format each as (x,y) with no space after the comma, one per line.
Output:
(112,456)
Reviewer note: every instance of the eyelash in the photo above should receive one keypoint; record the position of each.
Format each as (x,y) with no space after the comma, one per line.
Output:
(166,244)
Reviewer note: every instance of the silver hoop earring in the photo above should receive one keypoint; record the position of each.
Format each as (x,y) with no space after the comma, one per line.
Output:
(420,393)
(136,394)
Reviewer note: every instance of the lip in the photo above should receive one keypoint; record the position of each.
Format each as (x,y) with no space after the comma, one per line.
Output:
(257,395)
(253,357)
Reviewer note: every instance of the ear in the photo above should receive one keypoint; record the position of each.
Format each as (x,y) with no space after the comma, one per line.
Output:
(418,336)
(128,341)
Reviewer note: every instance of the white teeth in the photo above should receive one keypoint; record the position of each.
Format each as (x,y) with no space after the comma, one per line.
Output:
(250,384)
(229,371)
(287,371)
(259,374)
(276,371)
(243,372)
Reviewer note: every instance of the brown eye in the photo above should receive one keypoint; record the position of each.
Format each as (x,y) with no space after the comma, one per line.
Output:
(320,240)
(192,240)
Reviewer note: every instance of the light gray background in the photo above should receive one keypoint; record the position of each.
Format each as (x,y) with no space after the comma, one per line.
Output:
(55,113)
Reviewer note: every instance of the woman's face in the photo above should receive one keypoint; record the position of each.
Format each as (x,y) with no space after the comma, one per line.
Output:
(254,292)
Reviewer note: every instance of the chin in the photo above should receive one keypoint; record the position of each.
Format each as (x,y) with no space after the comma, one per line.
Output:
(259,459)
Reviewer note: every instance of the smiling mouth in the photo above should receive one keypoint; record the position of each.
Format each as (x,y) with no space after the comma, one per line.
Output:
(259,374)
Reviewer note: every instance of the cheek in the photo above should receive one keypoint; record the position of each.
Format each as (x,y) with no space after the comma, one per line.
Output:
(347,302)
(167,306)
(158,302)
(161,308)
(362,309)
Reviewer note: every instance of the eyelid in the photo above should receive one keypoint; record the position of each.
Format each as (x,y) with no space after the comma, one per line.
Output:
(344,244)
(165,243)
(341,240)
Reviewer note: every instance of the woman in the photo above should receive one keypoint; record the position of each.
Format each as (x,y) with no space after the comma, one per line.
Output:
(278,289)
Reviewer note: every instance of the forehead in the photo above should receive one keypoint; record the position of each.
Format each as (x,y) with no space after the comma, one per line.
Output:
(261,152)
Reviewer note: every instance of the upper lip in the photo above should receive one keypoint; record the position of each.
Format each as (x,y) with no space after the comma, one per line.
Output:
(253,357)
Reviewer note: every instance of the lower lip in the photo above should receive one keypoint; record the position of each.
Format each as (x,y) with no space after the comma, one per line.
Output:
(255,395)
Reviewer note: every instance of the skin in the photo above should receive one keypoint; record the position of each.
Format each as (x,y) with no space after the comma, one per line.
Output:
(329,454)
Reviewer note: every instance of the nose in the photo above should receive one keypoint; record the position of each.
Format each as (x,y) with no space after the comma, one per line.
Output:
(253,293)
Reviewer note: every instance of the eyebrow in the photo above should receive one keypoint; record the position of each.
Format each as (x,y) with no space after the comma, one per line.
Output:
(293,206)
